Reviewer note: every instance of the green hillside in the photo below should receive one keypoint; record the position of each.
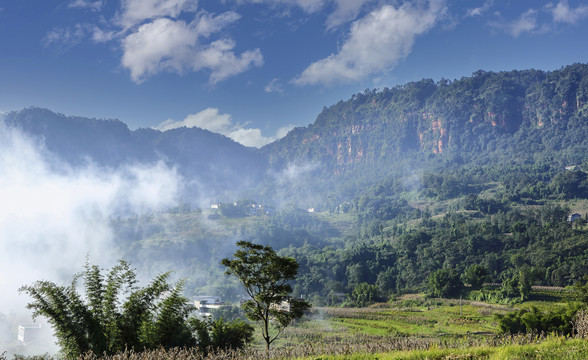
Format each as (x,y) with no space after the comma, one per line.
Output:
(393,185)
(490,125)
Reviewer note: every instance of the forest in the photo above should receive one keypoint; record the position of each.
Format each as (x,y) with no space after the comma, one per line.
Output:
(485,170)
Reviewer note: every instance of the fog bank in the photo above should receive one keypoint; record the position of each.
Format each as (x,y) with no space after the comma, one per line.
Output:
(52,216)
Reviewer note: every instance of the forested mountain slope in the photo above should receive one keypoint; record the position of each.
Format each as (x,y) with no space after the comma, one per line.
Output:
(515,119)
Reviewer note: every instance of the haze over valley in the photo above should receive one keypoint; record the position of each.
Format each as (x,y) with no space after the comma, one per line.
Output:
(383,145)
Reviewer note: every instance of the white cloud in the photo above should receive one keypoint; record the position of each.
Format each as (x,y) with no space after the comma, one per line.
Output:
(87,4)
(563,13)
(527,22)
(480,10)
(222,61)
(211,119)
(154,39)
(134,12)
(274,86)
(101,36)
(159,45)
(309,6)
(345,10)
(63,39)
(376,43)
(209,24)
(173,45)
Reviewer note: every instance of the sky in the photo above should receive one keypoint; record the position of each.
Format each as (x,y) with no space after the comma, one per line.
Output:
(254,69)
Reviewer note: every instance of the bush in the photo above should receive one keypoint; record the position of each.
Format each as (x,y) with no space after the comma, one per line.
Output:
(559,321)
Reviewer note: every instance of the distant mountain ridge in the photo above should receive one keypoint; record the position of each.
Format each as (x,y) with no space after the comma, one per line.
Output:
(213,160)
(507,119)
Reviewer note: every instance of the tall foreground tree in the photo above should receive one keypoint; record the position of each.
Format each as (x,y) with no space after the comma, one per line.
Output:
(114,314)
(265,276)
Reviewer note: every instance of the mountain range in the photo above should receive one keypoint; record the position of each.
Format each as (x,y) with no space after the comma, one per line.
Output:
(502,119)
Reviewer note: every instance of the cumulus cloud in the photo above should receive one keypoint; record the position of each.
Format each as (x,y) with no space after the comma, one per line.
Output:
(173,45)
(158,45)
(211,119)
(564,14)
(51,220)
(155,37)
(86,4)
(376,42)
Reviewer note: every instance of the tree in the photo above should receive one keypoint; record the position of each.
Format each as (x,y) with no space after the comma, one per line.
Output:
(475,275)
(114,314)
(265,276)
(581,290)
(364,294)
(444,282)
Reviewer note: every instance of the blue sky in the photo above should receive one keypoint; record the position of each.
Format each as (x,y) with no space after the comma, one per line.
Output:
(252,69)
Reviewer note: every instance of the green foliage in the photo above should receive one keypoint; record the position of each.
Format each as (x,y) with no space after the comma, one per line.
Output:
(581,290)
(570,184)
(444,283)
(559,320)
(220,334)
(364,294)
(265,276)
(518,286)
(443,186)
(475,275)
(116,315)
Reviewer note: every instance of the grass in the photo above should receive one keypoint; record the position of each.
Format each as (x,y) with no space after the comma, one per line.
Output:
(553,348)
(410,327)
(407,316)
(507,347)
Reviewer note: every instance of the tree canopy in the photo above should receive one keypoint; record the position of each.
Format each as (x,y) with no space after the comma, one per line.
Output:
(265,277)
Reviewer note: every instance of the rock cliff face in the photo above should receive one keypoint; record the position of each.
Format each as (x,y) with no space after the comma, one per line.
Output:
(431,119)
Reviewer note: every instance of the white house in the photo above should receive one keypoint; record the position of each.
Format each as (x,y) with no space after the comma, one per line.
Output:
(28,334)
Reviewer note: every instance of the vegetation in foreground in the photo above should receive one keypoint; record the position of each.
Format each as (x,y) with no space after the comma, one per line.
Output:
(431,329)
(531,346)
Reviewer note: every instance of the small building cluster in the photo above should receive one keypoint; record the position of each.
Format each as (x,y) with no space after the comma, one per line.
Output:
(573,217)
(205,304)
